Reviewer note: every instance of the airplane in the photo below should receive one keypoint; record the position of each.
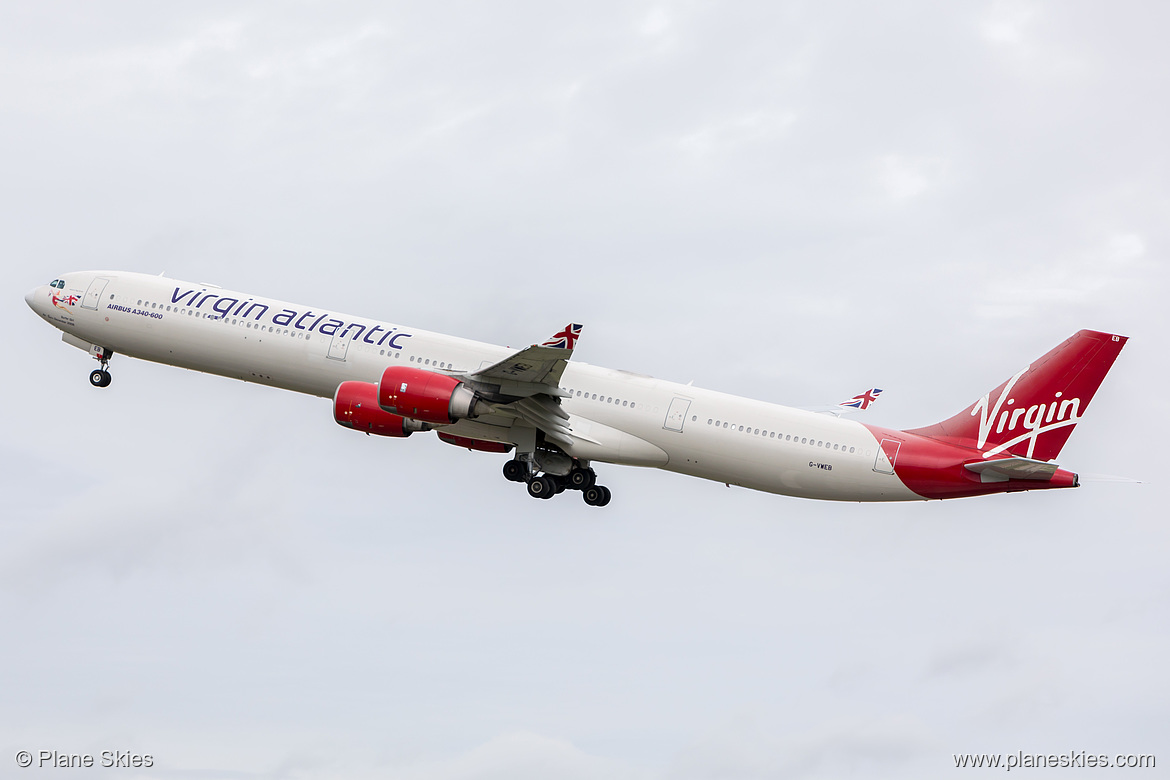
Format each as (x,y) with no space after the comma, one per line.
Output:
(558,417)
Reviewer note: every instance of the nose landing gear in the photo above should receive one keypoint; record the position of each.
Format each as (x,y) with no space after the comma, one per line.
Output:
(100,377)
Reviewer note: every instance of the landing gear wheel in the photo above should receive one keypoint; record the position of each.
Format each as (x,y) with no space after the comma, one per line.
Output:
(542,487)
(100,378)
(596,495)
(579,479)
(515,471)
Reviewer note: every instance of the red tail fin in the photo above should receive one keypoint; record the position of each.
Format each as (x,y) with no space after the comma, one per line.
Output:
(1033,413)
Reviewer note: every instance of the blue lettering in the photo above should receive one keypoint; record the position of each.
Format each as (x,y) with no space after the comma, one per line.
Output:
(263,311)
(220,308)
(389,333)
(332,325)
(288,315)
(396,337)
(317,322)
(348,328)
(206,298)
(176,298)
(366,338)
(299,326)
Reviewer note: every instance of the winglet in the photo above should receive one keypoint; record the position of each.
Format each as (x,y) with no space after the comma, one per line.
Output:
(862,401)
(566,339)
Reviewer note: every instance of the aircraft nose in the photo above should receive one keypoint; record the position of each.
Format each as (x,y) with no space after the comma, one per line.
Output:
(30,298)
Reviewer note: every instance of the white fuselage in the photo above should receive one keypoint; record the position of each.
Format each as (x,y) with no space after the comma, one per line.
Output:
(676,427)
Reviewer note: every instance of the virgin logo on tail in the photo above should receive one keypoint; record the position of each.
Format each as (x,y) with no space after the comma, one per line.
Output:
(1047,397)
(1035,419)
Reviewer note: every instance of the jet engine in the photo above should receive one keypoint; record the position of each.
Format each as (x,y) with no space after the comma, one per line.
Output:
(426,396)
(475,444)
(355,405)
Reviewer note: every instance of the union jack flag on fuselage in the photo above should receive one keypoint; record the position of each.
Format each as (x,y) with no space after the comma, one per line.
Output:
(566,339)
(863,400)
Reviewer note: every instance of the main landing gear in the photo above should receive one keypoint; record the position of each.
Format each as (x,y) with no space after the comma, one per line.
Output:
(100,377)
(548,485)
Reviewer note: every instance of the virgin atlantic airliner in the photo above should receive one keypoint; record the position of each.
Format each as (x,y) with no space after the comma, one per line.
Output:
(558,417)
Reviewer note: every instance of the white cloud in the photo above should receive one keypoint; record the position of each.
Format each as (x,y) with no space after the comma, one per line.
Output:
(1111,272)
(1007,21)
(904,177)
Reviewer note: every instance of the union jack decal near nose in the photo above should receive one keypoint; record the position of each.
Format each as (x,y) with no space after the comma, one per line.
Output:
(567,338)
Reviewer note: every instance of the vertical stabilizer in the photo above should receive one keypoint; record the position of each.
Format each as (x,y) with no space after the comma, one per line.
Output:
(1033,413)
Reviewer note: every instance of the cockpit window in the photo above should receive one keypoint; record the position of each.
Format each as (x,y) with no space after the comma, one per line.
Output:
(59,284)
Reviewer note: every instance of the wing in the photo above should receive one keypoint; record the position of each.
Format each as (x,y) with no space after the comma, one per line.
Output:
(532,371)
(857,403)
(526,386)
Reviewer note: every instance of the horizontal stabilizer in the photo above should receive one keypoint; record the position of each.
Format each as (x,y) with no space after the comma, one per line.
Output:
(1014,468)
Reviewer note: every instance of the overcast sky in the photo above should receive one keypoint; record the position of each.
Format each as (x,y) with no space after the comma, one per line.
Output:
(791,201)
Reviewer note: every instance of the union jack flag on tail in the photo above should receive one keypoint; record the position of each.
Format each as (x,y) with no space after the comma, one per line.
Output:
(863,400)
(567,338)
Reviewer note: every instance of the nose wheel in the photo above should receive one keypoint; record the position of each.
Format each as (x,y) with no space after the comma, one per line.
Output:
(100,377)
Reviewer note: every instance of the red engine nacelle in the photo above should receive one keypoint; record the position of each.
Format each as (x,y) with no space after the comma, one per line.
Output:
(475,444)
(425,395)
(355,405)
